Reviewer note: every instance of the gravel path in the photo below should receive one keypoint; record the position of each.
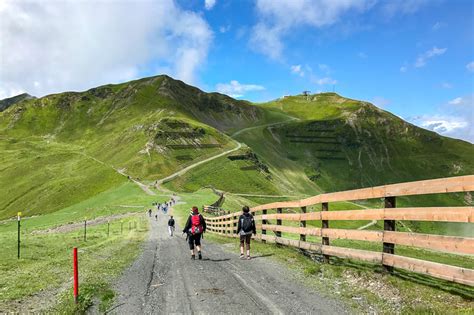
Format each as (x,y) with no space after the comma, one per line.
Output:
(164,280)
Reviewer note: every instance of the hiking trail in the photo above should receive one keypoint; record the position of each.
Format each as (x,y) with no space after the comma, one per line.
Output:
(164,280)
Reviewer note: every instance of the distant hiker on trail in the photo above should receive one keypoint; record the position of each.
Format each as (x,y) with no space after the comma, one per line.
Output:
(156,217)
(245,228)
(149,213)
(171,226)
(194,228)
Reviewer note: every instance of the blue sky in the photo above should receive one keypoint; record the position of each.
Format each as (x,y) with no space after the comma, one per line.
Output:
(414,58)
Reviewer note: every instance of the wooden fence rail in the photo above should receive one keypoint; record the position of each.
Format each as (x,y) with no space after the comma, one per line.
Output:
(389,237)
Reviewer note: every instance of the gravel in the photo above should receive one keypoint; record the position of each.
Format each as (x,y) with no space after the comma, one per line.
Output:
(165,280)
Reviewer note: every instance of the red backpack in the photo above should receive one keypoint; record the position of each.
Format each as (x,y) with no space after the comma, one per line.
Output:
(196,226)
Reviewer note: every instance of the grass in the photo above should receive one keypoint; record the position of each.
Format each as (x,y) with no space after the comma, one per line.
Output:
(43,178)
(42,275)
(226,175)
(45,267)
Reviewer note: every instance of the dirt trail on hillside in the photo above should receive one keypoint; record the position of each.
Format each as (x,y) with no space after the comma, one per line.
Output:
(78,225)
(164,280)
(186,169)
(183,171)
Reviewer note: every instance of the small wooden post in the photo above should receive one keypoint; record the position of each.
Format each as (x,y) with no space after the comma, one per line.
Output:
(19,228)
(389,225)
(278,233)
(303,224)
(85,230)
(325,225)
(264,232)
(76,275)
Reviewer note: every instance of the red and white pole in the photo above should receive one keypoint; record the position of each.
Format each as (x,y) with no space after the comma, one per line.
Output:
(76,275)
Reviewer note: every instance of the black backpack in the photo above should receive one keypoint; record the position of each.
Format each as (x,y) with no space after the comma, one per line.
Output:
(247,223)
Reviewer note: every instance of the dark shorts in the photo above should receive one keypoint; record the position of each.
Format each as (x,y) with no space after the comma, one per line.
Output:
(194,240)
(245,239)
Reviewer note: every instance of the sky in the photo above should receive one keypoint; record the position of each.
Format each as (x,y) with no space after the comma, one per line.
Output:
(414,58)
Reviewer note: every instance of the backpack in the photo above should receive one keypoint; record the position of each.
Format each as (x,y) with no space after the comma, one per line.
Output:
(196,226)
(246,224)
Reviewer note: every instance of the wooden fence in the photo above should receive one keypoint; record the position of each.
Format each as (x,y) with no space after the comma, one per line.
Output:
(389,237)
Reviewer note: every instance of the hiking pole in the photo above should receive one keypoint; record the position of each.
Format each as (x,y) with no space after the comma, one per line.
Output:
(108,228)
(19,226)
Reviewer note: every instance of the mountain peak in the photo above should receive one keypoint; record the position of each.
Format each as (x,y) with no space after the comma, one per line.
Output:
(7,102)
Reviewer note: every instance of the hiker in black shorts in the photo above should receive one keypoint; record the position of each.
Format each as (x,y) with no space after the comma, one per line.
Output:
(245,229)
(194,228)
(171,226)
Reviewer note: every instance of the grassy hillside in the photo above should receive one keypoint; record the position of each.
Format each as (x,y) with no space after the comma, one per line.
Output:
(63,148)
(341,144)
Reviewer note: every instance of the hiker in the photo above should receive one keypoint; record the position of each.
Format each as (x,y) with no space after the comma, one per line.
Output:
(156,217)
(171,226)
(149,213)
(245,228)
(194,228)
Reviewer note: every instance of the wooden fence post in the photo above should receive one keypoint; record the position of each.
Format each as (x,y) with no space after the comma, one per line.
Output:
(325,225)
(234,225)
(389,225)
(278,233)
(264,232)
(303,224)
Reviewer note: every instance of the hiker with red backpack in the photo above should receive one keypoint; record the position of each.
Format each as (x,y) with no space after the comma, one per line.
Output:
(245,228)
(194,228)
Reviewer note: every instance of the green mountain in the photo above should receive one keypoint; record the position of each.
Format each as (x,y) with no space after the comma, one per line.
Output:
(64,148)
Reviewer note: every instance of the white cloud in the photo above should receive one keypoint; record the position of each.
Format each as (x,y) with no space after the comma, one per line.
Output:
(326,80)
(455,119)
(279,17)
(470,66)
(380,101)
(209,4)
(296,69)
(433,52)
(443,124)
(456,101)
(403,69)
(236,89)
(54,46)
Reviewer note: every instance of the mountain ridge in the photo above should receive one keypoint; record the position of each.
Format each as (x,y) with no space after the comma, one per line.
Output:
(153,127)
